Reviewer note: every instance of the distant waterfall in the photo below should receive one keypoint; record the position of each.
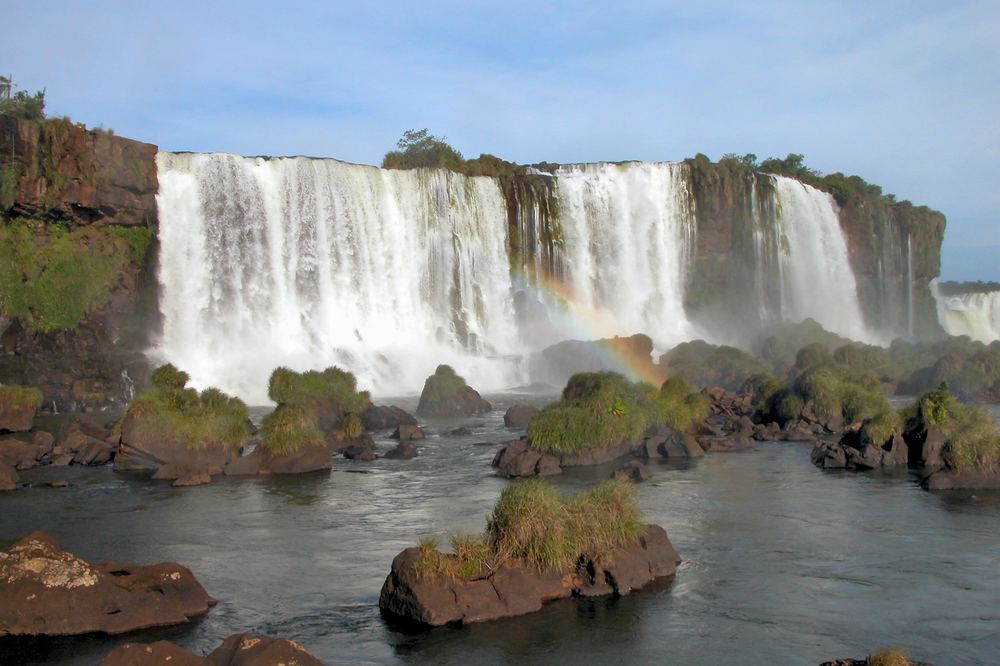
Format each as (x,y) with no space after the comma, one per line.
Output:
(308,263)
(974,314)
(815,275)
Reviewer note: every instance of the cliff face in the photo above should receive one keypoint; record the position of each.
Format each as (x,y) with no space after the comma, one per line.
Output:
(77,237)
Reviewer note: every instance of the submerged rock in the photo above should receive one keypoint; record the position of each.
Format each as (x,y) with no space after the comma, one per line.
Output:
(406,450)
(436,600)
(45,591)
(518,416)
(237,650)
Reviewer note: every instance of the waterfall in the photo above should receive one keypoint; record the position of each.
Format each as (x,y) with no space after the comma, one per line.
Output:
(627,233)
(975,314)
(314,262)
(816,277)
(307,263)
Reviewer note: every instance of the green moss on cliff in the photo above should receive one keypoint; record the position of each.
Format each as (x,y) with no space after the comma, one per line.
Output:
(20,396)
(51,277)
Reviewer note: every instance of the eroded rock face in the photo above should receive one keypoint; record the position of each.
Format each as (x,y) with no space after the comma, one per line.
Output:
(437,600)
(45,591)
(237,650)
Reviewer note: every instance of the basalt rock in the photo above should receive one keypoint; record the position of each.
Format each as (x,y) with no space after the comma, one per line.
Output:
(264,463)
(668,443)
(517,459)
(46,591)
(446,395)
(406,450)
(407,432)
(518,416)
(856,451)
(633,471)
(8,477)
(380,417)
(967,479)
(16,418)
(237,650)
(726,444)
(436,600)
(142,449)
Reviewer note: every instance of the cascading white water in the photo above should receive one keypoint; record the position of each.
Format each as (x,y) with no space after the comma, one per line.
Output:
(816,277)
(627,237)
(306,263)
(974,314)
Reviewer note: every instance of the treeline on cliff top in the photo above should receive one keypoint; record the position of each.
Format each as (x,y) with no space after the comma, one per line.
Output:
(958,288)
(421,149)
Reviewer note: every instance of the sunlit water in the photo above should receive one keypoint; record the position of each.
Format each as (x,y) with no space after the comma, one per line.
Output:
(784,564)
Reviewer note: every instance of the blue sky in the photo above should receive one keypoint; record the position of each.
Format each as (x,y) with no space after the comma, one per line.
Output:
(905,94)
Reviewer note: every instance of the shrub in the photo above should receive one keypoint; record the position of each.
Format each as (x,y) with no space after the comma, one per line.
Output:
(20,396)
(532,524)
(972,437)
(288,428)
(706,365)
(880,428)
(332,385)
(814,353)
(888,658)
(168,409)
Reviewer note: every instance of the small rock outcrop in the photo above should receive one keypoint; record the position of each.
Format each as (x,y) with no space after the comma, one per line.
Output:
(237,650)
(407,431)
(634,471)
(8,477)
(406,450)
(380,417)
(46,591)
(518,416)
(262,462)
(856,451)
(437,600)
(17,407)
(446,395)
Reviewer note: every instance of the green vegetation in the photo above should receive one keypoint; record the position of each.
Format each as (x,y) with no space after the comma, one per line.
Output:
(603,409)
(329,386)
(781,343)
(831,391)
(288,428)
(21,104)
(971,369)
(973,441)
(706,365)
(304,398)
(957,288)
(888,658)
(843,188)
(51,277)
(421,149)
(20,396)
(533,525)
(169,410)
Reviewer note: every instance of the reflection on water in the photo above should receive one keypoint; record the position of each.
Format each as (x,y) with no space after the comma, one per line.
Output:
(783,563)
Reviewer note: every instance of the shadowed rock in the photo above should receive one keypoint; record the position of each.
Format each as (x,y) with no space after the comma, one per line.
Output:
(237,650)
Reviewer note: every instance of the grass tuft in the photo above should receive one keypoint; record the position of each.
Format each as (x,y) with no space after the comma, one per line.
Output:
(973,439)
(889,658)
(20,396)
(331,385)
(288,428)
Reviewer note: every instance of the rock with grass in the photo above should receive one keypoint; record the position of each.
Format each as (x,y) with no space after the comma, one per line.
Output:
(874,444)
(408,432)
(46,591)
(237,650)
(964,438)
(518,416)
(177,432)
(17,407)
(537,547)
(332,396)
(289,442)
(601,417)
(446,395)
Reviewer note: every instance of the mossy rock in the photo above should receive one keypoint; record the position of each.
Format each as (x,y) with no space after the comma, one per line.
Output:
(446,395)
(17,407)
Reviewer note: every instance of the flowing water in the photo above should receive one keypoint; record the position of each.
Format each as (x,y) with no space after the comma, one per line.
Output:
(976,315)
(783,563)
(313,262)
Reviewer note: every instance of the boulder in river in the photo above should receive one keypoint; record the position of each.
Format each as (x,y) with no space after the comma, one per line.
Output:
(518,416)
(446,395)
(380,417)
(406,431)
(17,407)
(8,477)
(405,450)
(237,650)
(46,591)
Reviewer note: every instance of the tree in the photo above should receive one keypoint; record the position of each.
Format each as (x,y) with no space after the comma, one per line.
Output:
(21,104)
(419,148)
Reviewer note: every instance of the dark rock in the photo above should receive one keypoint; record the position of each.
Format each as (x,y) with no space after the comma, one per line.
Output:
(405,450)
(95,452)
(925,444)
(62,460)
(855,451)
(141,451)
(726,444)
(517,460)
(461,431)
(518,416)
(380,417)
(407,432)
(262,462)
(970,479)
(337,445)
(19,453)
(47,591)
(237,650)
(679,445)
(599,456)
(360,453)
(438,600)
(8,477)
(446,395)
(634,471)
(829,455)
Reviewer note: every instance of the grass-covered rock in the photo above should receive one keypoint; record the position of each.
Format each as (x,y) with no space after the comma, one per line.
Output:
(176,431)
(330,396)
(17,407)
(829,395)
(971,440)
(706,365)
(599,410)
(537,546)
(447,395)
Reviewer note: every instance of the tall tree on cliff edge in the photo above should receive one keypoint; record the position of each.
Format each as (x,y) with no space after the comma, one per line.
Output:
(21,104)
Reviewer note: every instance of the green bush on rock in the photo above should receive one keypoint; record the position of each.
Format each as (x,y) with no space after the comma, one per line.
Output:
(169,410)
(20,397)
(973,440)
(288,428)
(533,525)
(603,409)
(331,385)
